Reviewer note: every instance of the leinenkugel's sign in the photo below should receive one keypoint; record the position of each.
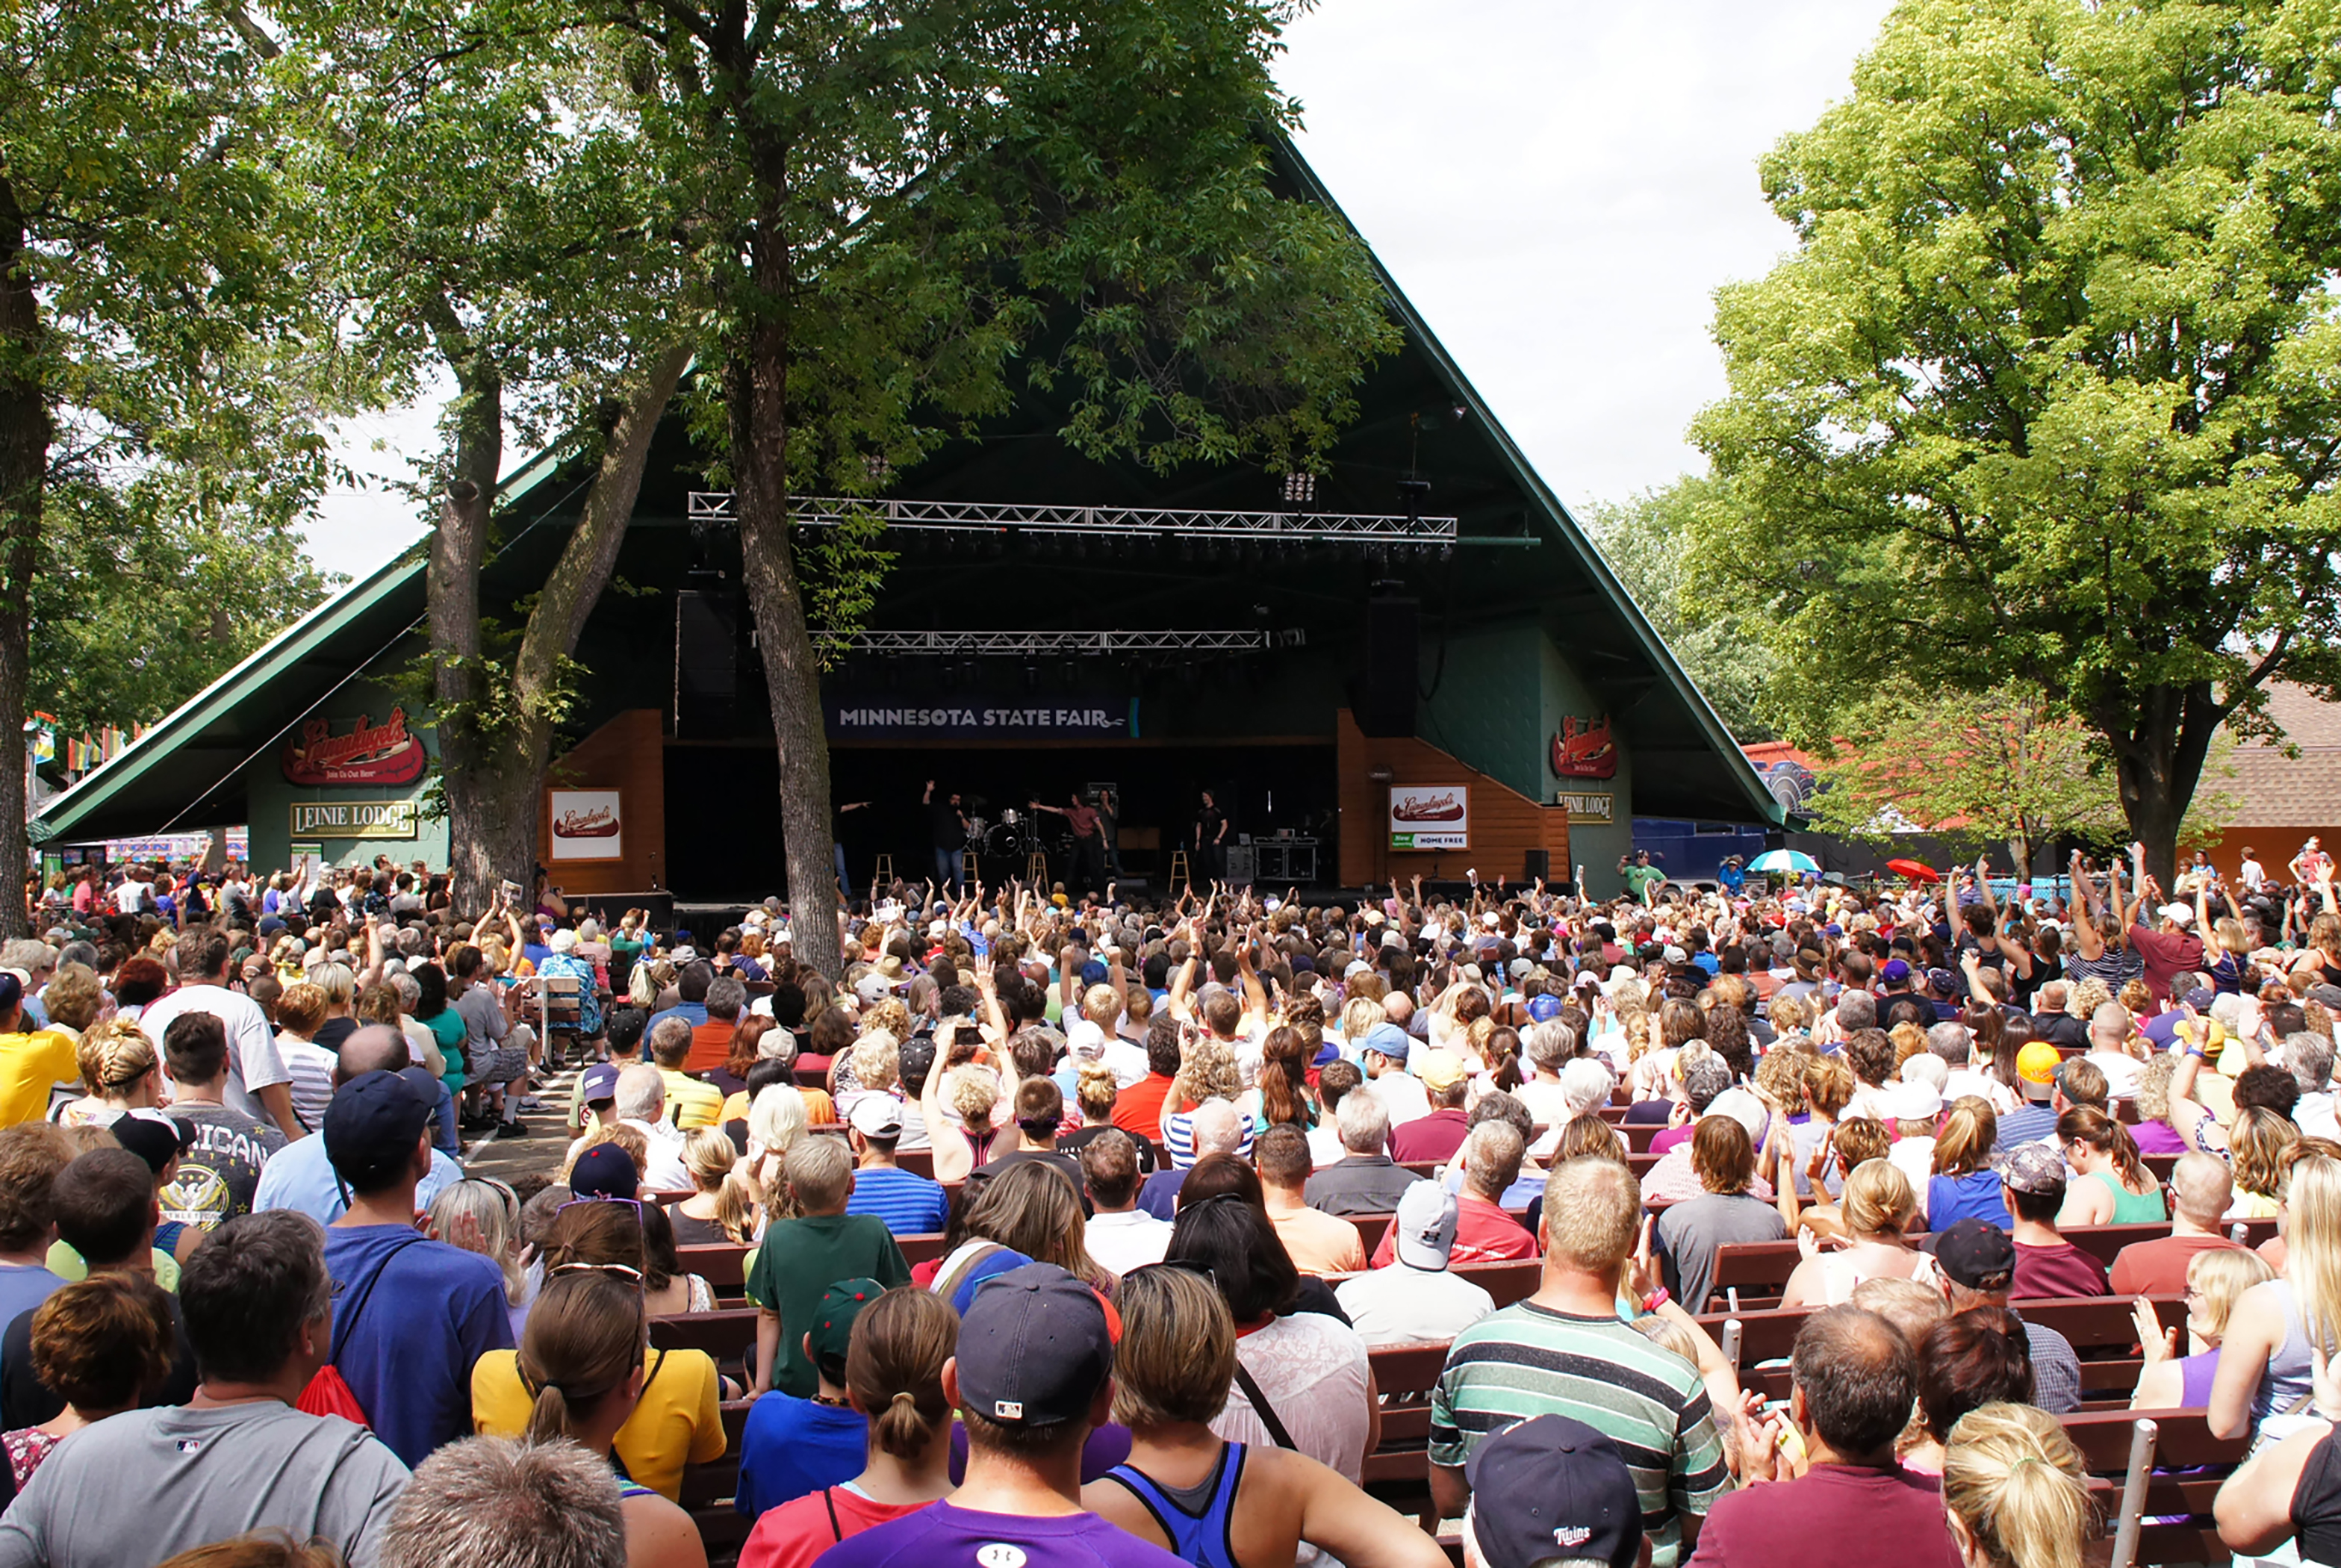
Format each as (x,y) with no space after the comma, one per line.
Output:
(981,718)
(371,753)
(1430,817)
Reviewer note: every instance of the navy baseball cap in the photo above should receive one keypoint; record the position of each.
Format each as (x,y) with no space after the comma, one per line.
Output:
(153,1137)
(1552,1487)
(600,1083)
(373,1124)
(606,1170)
(1033,1348)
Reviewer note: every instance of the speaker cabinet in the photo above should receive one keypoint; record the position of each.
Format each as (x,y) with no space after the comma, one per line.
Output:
(1386,700)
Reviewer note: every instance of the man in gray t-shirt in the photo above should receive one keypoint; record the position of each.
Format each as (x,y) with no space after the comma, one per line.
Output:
(139,1488)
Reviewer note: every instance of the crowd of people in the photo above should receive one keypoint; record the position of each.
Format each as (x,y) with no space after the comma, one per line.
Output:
(257,1310)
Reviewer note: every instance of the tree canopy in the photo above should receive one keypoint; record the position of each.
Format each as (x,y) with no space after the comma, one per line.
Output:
(2051,388)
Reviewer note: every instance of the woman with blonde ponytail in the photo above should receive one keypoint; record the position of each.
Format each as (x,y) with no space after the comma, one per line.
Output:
(2273,1329)
(2013,1490)
(894,1376)
(582,1359)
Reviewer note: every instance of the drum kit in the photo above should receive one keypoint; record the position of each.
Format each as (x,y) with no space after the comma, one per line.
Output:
(1004,839)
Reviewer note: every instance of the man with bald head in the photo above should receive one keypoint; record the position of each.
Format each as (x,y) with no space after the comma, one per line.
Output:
(2052,1023)
(299,1176)
(2203,1188)
(2111,1040)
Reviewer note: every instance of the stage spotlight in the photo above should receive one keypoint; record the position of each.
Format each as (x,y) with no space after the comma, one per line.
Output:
(1300,489)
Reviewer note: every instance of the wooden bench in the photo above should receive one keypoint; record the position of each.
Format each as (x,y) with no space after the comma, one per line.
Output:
(1752,1276)
(708,1490)
(2101,1329)
(2139,1463)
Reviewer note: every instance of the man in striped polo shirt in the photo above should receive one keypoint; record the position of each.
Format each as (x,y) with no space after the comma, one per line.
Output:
(1564,1352)
(908,1203)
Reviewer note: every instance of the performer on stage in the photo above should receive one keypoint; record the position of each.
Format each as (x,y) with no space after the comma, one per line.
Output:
(1108,808)
(1089,842)
(1211,840)
(951,831)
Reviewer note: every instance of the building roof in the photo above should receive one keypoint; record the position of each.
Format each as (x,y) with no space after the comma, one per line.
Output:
(186,772)
(2272,790)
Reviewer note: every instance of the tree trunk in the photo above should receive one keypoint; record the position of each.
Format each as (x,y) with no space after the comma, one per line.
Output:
(25,435)
(757,386)
(2159,757)
(495,765)
(479,783)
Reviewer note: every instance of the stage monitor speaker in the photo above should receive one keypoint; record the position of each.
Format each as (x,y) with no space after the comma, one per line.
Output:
(707,665)
(1538,865)
(1386,700)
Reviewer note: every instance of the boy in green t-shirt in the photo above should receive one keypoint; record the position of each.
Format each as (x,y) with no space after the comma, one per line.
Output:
(802,1257)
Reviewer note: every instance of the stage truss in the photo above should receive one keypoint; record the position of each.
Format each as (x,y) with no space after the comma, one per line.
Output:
(1059,644)
(1108,522)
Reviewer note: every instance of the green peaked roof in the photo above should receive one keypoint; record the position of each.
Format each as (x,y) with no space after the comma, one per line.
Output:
(186,772)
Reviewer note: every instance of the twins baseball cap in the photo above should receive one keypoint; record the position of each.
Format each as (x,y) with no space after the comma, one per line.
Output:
(606,1170)
(1425,1226)
(1551,1488)
(1033,1348)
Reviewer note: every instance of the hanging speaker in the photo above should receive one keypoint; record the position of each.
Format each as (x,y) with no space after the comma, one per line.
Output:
(706,664)
(1386,696)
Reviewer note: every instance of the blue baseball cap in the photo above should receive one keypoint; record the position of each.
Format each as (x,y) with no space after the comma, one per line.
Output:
(606,1170)
(1035,1348)
(600,1083)
(1388,1040)
(1543,1008)
(373,1125)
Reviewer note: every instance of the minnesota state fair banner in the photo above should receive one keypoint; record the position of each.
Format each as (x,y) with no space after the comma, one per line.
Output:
(1029,716)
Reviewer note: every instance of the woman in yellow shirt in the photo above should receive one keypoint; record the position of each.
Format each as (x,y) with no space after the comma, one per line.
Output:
(677,1420)
(582,1357)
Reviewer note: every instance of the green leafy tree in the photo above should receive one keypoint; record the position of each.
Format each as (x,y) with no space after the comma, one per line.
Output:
(918,211)
(1649,542)
(2003,767)
(139,278)
(488,214)
(152,591)
(2051,388)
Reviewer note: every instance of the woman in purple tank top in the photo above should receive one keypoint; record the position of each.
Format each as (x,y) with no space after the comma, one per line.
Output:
(2214,1281)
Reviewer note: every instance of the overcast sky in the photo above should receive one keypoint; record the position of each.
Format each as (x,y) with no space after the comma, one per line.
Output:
(1558,185)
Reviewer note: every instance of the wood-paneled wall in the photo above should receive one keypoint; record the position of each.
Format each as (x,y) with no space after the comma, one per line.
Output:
(1504,823)
(628,754)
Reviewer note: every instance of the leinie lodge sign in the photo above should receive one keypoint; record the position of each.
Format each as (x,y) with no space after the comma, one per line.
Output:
(353,818)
